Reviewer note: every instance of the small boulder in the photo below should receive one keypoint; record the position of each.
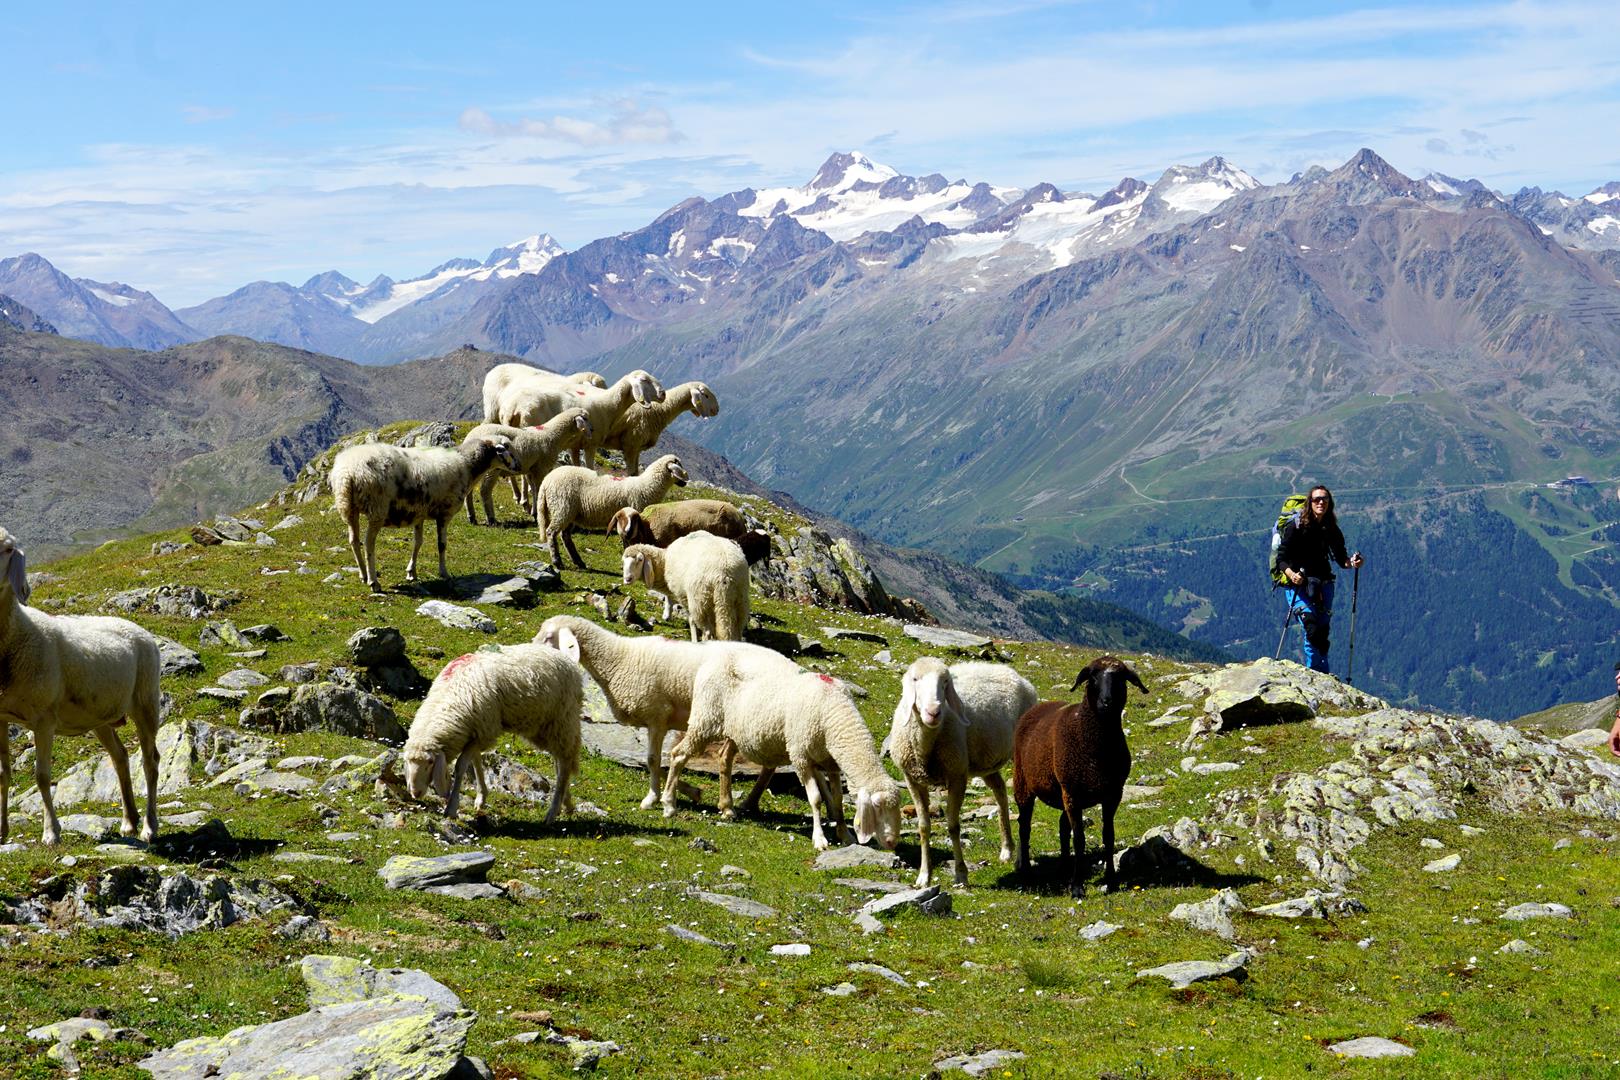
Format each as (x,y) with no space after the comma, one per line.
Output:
(1184,973)
(856,855)
(457,618)
(1371,1046)
(416,872)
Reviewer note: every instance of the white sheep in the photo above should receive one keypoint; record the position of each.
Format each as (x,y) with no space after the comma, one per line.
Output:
(501,375)
(535,448)
(74,675)
(640,425)
(527,690)
(528,401)
(781,716)
(705,574)
(572,497)
(394,485)
(954,723)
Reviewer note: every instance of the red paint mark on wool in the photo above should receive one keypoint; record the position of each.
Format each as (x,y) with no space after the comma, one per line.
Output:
(828,679)
(538,427)
(456,665)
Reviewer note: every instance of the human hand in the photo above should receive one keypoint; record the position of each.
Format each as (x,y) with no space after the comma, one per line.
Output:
(1614,736)
(1294,576)
(1355,560)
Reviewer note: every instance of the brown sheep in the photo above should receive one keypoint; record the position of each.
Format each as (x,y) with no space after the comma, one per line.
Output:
(1072,757)
(663,524)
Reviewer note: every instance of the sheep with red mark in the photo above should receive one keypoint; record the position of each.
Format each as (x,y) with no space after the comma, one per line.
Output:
(572,498)
(1072,757)
(536,448)
(499,377)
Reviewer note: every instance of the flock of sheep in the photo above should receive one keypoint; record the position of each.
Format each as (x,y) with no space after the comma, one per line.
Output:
(80,674)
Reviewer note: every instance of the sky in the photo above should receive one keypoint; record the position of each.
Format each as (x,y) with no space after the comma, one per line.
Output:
(189,150)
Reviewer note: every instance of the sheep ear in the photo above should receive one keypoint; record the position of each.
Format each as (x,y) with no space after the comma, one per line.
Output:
(441,774)
(568,644)
(1084,677)
(18,573)
(1131,676)
(866,817)
(908,699)
(618,524)
(954,700)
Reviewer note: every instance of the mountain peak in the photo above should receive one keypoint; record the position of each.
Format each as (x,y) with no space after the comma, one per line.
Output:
(1368,174)
(844,170)
(1607,193)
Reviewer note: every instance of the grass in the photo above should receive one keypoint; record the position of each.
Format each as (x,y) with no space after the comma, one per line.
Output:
(1008,970)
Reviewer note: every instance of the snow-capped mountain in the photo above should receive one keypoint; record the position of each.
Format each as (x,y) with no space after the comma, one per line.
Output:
(108,312)
(383,297)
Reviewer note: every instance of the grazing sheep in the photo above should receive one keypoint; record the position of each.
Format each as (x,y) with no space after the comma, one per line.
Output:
(640,425)
(781,716)
(952,724)
(394,485)
(73,675)
(664,523)
(529,401)
(647,680)
(707,575)
(501,375)
(1072,757)
(577,498)
(528,690)
(535,448)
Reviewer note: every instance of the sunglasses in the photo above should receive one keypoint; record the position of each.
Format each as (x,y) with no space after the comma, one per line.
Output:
(1320,498)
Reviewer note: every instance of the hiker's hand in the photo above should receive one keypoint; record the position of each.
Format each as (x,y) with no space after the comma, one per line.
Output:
(1294,576)
(1355,560)
(1614,736)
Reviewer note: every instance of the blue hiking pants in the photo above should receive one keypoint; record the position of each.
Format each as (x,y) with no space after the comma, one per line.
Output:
(1312,605)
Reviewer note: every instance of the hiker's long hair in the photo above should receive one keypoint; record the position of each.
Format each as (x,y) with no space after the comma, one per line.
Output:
(1308,515)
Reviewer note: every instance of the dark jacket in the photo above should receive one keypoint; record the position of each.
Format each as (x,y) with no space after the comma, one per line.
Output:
(1309,549)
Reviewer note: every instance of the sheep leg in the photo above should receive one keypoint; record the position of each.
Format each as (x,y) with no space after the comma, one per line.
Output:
(1063,836)
(953,820)
(5,780)
(655,763)
(442,526)
(833,788)
(146,733)
(359,551)
(1077,868)
(1026,818)
(120,761)
(559,788)
(728,758)
(812,794)
(552,537)
(368,565)
(998,788)
(919,799)
(483,788)
(43,735)
(762,783)
(573,552)
(677,762)
(1109,882)
(452,801)
(416,546)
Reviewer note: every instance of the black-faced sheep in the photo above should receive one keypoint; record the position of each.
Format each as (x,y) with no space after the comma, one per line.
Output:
(1072,757)
(74,675)
(394,486)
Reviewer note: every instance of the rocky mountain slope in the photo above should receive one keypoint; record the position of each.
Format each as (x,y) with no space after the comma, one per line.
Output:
(1310,876)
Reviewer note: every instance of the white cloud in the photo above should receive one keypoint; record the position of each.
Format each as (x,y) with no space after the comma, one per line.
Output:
(626,122)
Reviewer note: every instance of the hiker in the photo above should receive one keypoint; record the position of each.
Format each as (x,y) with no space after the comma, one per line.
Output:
(1311,544)
(1614,732)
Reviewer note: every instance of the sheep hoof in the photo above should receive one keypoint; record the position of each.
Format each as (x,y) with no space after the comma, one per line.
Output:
(50,838)
(669,810)
(728,814)
(961,879)
(376,587)
(922,879)
(148,834)
(1006,855)
(649,800)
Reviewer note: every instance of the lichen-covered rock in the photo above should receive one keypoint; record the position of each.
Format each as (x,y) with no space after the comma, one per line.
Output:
(419,872)
(342,710)
(95,781)
(1213,915)
(455,617)
(331,980)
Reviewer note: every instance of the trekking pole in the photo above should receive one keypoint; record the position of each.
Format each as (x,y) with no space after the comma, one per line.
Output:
(1355,592)
(1288,618)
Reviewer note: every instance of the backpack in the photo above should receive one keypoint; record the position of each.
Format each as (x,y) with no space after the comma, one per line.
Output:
(1288,515)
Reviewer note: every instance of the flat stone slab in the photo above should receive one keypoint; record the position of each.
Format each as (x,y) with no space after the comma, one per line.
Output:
(1186,972)
(1371,1046)
(930,900)
(1210,768)
(860,884)
(854,635)
(1098,930)
(848,858)
(979,1064)
(1521,912)
(1440,866)
(468,890)
(796,948)
(1309,906)
(221,693)
(737,905)
(402,1038)
(880,971)
(242,679)
(456,617)
(693,936)
(1585,740)
(945,639)
(418,872)
(1519,945)
(331,980)
(305,857)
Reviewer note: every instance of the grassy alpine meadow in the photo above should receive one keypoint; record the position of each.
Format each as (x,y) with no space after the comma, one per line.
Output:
(1007,969)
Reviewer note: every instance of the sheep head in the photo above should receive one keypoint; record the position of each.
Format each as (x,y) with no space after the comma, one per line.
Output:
(13,566)
(555,634)
(630,527)
(926,689)
(643,387)
(877,814)
(671,466)
(424,767)
(704,403)
(640,564)
(1105,679)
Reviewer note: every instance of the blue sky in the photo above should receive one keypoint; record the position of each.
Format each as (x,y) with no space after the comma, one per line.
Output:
(189,150)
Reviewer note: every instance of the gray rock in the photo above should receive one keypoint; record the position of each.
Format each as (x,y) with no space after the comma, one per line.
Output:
(1098,930)
(1213,915)
(880,971)
(95,781)
(797,948)
(979,1064)
(377,646)
(930,900)
(1519,945)
(855,855)
(1585,740)
(843,989)
(1309,906)
(1522,912)
(342,710)
(220,693)
(288,522)
(243,679)
(264,539)
(1440,866)
(298,673)
(419,872)
(457,618)
(332,980)
(301,761)
(177,659)
(230,528)
(168,547)
(693,936)
(868,885)
(222,634)
(542,576)
(940,637)
(868,923)
(179,601)
(738,872)
(515,592)
(468,890)
(140,897)
(264,632)
(304,928)
(586,1053)
(394,1037)
(1371,1046)
(737,905)
(847,634)
(1210,768)
(1184,973)
(305,857)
